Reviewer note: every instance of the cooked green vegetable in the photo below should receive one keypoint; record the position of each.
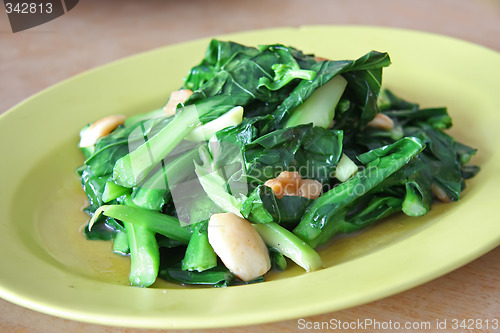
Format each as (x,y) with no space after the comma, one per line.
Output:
(133,168)
(152,193)
(199,254)
(216,277)
(261,126)
(319,108)
(290,246)
(262,206)
(380,164)
(144,255)
(160,223)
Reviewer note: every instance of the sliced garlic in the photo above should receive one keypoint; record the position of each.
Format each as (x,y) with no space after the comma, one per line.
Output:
(310,188)
(238,245)
(100,128)
(290,183)
(381,121)
(176,97)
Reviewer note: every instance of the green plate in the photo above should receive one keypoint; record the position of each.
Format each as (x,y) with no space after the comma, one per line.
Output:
(48,266)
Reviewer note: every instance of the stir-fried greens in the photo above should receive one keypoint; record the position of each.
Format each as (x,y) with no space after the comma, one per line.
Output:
(263,154)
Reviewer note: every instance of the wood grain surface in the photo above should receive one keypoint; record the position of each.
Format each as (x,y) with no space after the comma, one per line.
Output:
(97,32)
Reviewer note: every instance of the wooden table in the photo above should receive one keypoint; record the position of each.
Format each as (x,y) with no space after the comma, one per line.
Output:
(97,32)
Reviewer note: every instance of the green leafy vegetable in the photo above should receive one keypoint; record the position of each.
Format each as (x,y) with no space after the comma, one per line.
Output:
(157,222)
(216,277)
(262,206)
(380,164)
(371,78)
(290,246)
(154,182)
(144,255)
(284,73)
(199,254)
(319,108)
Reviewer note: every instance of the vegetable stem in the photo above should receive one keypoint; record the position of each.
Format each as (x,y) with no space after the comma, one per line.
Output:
(151,194)
(134,167)
(319,108)
(144,255)
(291,246)
(383,163)
(215,185)
(205,132)
(345,168)
(199,253)
(161,223)
(113,191)
(120,243)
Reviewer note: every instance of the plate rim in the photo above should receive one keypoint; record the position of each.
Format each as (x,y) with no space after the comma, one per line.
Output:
(69,314)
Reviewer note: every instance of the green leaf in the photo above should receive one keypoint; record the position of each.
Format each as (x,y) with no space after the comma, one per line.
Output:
(372,62)
(285,72)
(262,206)
(381,163)
(312,151)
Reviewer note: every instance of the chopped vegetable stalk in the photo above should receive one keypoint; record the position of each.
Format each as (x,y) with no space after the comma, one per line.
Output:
(113,191)
(289,245)
(211,183)
(161,223)
(134,167)
(215,185)
(345,169)
(120,243)
(319,108)
(144,255)
(151,194)
(199,253)
(206,131)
